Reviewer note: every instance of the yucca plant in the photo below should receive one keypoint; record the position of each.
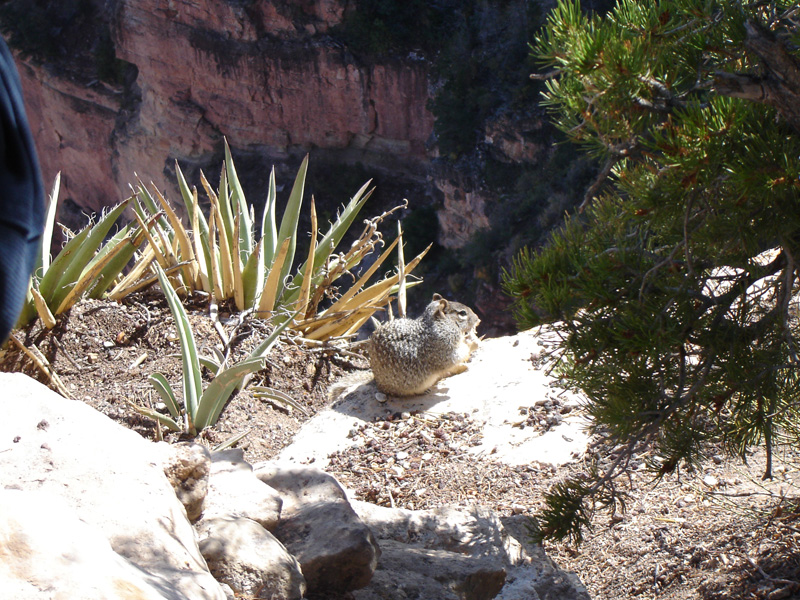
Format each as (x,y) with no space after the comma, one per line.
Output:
(201,408)
(86,266)
(222,256)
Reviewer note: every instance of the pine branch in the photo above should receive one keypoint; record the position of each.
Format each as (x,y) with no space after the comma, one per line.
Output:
(591,192)
(545,76)
(778,88)
(670,324)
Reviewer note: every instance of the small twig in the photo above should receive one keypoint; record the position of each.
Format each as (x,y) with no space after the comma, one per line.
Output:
(421,420)
(789,527)
(739,494)
(668,520)
(67,355)
(146,314)
(598,182)
(40,361)
(347,354)
(213,312)
(138,361)
(544,76)
(768,577)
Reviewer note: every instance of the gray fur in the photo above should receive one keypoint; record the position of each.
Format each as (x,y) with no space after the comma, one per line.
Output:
(408,356)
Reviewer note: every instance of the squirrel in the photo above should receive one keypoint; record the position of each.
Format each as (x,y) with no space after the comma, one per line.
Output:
(408,356)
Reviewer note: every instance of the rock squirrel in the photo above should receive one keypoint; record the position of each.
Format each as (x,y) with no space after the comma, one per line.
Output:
(408,356)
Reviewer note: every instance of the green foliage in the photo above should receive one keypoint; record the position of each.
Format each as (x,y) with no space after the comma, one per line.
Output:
(87,265)
(201,408)
(672,294)
(223,255)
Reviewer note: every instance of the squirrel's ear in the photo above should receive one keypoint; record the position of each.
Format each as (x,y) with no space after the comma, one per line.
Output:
(442,305)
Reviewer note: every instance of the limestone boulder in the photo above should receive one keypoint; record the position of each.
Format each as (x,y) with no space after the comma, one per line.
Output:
(407,571)
(501,377)
(234,491)
(537,575)
(187,468)
(48,552)
(460,554)
(109,476)
(244,555)
(336,550)
(477,531)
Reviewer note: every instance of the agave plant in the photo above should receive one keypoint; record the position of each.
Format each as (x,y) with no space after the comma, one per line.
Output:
(222,255)
(201,407)
(86,265)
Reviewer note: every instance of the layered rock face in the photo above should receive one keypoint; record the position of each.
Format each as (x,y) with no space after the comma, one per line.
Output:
(263,74)
(278,79)
(74,126)
(210,67)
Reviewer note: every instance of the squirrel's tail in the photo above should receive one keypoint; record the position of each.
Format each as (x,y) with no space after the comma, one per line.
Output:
(347,383)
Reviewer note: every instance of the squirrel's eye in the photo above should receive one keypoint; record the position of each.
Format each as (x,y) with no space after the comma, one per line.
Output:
(462,313)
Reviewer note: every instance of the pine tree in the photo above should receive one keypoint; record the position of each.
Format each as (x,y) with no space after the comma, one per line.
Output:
(672,289)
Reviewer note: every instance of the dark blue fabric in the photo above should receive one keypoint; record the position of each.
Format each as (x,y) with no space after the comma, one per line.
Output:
(21,196)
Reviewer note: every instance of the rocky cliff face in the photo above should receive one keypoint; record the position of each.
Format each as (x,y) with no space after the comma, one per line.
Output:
(445,116)
(263,74)
(268,75)
(74,125)
(212,67)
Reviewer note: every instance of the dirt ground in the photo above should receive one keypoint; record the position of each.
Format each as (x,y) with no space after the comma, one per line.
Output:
(721,534)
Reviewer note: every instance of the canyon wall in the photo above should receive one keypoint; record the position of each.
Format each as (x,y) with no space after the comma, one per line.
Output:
(263,74)
(431,100)
(212,68)
(277,80)
(73,127)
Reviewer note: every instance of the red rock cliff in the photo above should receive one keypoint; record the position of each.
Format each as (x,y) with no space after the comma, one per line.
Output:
(265,76)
